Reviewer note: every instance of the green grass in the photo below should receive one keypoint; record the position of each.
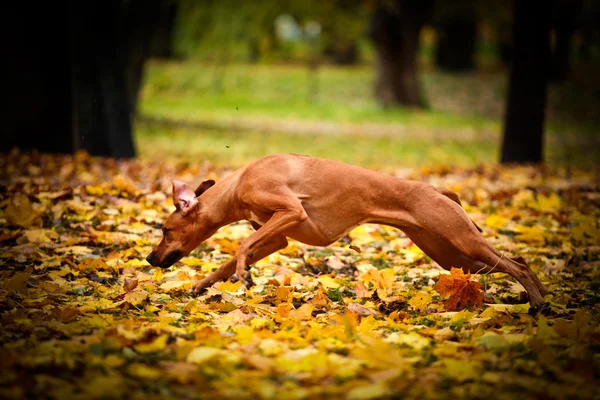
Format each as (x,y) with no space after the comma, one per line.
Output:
(230,148)
(235,114)
(200,92)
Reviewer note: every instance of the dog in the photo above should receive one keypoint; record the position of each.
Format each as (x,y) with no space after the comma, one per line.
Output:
(317,201)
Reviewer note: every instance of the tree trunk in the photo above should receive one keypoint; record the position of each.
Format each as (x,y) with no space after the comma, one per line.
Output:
(35,111)
(394,29)
(524,121)
(75,69)
(101,101)
(457,35)
(564,23)
(162,37)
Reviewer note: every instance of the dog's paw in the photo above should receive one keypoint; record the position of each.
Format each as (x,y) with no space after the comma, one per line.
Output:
(246,280)
(198,288)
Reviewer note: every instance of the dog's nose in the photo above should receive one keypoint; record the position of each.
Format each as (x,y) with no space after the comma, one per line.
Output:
(149,258)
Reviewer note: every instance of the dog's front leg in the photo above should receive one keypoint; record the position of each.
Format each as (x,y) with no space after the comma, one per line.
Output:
(226,270)
(275,226)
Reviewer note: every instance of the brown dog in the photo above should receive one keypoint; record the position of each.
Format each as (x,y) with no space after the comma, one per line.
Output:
(318,201)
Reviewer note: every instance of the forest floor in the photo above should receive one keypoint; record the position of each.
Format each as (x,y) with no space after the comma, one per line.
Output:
(82,314)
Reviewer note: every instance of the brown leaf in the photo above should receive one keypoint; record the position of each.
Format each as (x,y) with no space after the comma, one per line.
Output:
(361,310)
(130,284)
(461,290)
(18,282)
(355,248)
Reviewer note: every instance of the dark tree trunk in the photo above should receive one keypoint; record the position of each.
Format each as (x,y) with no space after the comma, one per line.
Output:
(564,24)
(524,121)
(342,55)
(75,70)
(162,37)
(394,29)
(457,35)
(37,98)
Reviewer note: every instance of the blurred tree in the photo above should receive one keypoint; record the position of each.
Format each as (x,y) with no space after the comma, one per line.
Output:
(75,69)
(524,120)
(456,25)
(394,29)
(565,16)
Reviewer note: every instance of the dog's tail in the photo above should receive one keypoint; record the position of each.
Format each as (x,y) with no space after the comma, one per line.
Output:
(454,197)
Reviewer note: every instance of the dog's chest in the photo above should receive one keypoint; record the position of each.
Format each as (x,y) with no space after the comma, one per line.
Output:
(250,216)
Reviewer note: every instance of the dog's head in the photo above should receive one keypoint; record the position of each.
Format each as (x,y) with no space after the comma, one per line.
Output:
(183,231)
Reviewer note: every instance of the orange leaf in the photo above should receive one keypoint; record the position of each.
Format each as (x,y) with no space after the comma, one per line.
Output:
(461,291)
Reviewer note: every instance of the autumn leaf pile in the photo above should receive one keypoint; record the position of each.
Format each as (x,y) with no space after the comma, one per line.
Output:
(82,315)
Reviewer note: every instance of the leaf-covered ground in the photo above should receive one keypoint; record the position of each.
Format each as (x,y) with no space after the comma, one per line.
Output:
(82,315)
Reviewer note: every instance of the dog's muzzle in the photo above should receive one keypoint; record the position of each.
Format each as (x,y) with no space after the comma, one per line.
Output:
(171,259)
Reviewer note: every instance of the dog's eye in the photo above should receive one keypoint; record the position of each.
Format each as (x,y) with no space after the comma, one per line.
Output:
(165,231)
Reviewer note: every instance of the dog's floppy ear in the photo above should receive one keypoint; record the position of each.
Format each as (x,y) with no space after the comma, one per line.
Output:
(204,186)
(184,197)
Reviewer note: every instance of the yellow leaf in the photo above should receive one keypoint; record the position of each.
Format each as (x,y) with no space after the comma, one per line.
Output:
(522,198)
(40,235)
(303,313)
(100,304)
(200,355)
(244,334)
(411,339)
(158,275)
(496,221)
(463,316)
(229,286)
(271,347)
(419,301)
(20,212)
(156,345)
(547,203)
(328,282)
(124,184)
(151,308)
(283,294)
(144,371)
(136,297)
(489,312)
(112,361)
(545,331)
(176,285)
(369,391)
(531,234)
(94,190)
(76,250)
(192,262)
(91,265)
(462,370)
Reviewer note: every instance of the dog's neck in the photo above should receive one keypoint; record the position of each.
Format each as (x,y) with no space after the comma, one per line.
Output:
(220,206)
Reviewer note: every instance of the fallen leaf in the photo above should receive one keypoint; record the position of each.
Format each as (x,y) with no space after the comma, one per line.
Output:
(362,310)
(20,211)
(157,344)
(461,291)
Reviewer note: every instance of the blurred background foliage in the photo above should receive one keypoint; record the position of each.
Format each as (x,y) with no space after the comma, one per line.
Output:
(269,76)
(377,82)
